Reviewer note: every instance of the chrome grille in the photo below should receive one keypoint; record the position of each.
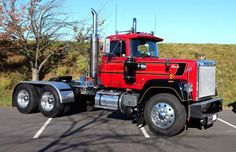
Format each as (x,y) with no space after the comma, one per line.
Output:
(206,78)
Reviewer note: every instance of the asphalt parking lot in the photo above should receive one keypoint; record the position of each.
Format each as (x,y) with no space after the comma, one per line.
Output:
(106,131)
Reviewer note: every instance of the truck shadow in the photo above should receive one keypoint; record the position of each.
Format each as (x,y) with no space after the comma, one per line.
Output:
(95,132)
(76,108)
(194,123)
(121,116)
(233,105)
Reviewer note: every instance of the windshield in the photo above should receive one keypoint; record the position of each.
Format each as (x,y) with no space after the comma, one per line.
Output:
(144,48)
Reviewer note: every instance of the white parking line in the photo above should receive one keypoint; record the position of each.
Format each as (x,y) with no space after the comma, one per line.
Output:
(146,135)
(42,128)
(231,125)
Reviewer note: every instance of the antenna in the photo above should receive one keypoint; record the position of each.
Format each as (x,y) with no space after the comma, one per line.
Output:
(155,24)
(116,20)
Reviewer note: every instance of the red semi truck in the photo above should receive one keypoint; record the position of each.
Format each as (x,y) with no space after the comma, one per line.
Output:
(166,94)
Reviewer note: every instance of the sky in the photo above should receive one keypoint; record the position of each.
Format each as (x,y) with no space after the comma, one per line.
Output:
(177,21)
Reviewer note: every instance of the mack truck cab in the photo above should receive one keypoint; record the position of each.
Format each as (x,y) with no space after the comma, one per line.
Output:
(166,94)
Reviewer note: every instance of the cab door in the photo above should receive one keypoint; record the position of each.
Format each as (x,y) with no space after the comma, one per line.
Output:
(112,65)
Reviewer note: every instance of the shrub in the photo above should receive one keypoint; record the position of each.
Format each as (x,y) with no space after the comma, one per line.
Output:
(7,82)
(4,84)
(62,71)
(82,63)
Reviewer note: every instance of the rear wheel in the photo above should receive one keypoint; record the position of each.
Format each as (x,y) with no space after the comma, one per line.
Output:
(25,98)
(49,104)
(67,109)
(165,115)
(89,106)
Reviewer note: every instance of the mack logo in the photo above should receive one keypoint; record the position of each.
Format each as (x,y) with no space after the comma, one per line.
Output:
(175,66)
(206,63)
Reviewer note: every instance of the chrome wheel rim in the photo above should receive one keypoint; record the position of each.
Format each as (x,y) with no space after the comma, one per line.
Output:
(23,98)
(47,101)
(163,115)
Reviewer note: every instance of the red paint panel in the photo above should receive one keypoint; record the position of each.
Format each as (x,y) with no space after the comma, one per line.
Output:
(111,73)
(112,69)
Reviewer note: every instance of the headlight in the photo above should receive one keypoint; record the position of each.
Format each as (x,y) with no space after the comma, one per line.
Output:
(188,87)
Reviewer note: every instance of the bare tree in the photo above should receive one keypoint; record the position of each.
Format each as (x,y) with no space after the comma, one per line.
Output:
(84,28)
(35,27)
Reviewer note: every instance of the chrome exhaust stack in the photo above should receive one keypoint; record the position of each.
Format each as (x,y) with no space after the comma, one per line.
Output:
(94,48)
(134,25)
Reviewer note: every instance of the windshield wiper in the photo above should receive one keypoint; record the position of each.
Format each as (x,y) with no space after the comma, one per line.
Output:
(144,55)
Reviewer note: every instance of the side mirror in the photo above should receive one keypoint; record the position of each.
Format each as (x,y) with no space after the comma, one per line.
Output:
(101,48)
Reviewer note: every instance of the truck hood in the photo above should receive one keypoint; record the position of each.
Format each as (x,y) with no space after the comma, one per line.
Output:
(160,60)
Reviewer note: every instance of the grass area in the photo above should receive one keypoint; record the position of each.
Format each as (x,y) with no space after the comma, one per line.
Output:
(7,82)
(75,63)
(5,99)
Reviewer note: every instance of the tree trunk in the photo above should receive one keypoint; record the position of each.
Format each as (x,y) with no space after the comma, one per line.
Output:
(35,74)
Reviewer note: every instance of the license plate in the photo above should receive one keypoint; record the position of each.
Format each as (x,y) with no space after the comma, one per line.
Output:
(214,117)
(211,119)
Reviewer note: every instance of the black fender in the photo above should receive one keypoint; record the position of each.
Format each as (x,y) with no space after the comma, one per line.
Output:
(175,87)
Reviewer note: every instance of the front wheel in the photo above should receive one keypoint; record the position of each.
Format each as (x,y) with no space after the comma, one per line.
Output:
(49,104)
(165,115)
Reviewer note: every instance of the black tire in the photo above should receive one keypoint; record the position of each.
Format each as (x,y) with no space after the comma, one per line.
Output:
(22,92)
(178,121)
(67,109)
(57,109)
(89,106)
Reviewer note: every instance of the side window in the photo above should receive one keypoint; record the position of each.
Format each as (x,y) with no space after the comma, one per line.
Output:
(107,46)
(117,48)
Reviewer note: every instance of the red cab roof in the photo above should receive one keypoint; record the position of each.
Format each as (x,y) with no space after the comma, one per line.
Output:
(134,36)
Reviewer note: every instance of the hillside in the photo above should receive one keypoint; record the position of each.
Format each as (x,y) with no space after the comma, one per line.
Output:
(13,69)
(224,55)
